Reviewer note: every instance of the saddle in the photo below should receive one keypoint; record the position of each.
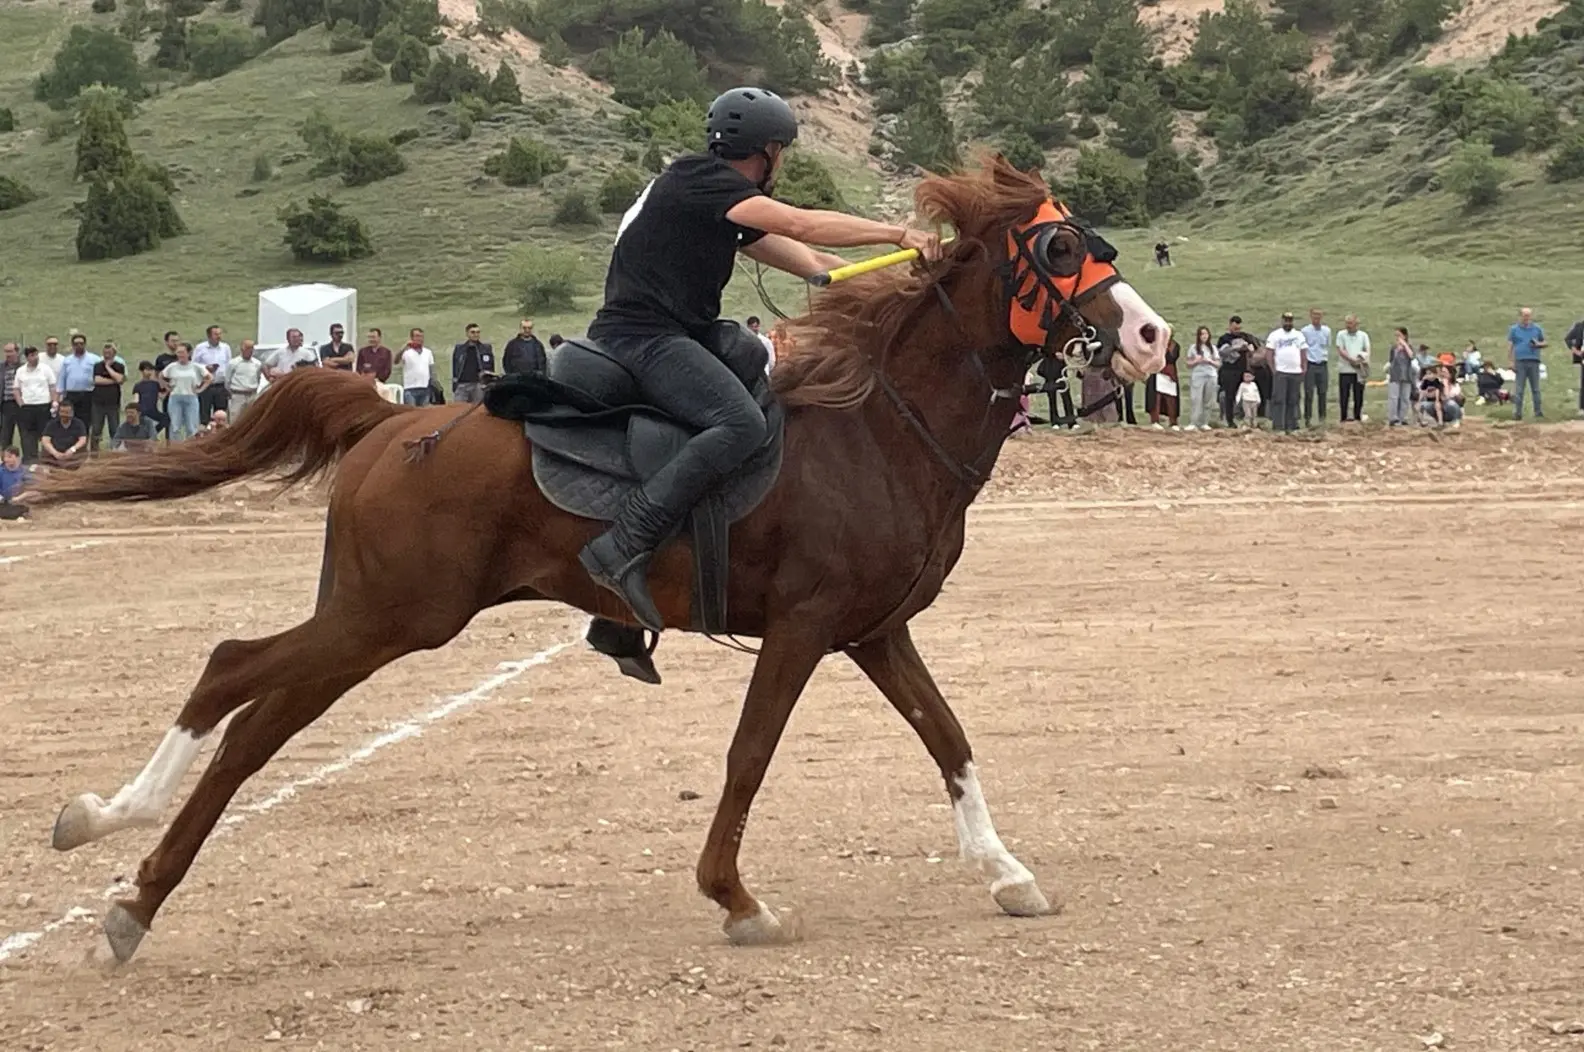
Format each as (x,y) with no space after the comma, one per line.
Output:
(594,443)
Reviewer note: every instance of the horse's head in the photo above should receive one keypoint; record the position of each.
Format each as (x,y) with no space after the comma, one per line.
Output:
(1059,287)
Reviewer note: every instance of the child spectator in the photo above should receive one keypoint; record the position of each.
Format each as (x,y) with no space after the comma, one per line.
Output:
(1489,385)
(1248,399)
(147,393)
(13,476)
(1432,397)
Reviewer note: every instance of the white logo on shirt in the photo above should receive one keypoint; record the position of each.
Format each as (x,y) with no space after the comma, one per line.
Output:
(632,212)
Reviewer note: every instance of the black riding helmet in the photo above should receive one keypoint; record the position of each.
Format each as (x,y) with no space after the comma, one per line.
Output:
(744,122)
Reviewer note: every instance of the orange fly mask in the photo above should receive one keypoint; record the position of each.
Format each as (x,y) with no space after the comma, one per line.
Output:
(1042,291)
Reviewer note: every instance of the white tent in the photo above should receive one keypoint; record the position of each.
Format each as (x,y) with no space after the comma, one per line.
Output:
(311,308)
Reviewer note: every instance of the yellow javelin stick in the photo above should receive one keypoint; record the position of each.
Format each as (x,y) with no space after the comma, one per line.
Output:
(864,266)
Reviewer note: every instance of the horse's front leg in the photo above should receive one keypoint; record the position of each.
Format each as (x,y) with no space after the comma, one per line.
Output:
(894,665)
(786,660)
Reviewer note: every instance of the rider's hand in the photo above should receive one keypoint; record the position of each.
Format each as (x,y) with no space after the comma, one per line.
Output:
(928,244)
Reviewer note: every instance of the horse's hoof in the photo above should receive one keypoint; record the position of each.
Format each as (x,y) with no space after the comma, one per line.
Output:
(74,826)
(763,928)
(1023,899)
(641,668)
(123,932)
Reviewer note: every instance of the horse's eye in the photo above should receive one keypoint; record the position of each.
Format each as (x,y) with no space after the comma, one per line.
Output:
(1059,248)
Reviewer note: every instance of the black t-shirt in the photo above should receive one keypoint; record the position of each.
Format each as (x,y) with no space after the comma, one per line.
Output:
(109,394)
(64,436)
(675,250)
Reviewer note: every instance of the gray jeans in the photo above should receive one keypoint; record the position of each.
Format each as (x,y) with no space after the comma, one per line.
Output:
(1399,401)
(471,393)
(1202,386)
(1283,409)
(1528,371)
(1314,387)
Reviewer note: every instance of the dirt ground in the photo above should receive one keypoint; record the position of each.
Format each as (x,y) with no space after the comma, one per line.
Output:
(1292,728)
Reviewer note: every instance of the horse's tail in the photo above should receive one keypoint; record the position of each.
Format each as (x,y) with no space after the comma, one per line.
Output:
(297,430)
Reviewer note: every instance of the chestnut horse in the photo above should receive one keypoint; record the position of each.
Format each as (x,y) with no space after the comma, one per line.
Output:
(900,387)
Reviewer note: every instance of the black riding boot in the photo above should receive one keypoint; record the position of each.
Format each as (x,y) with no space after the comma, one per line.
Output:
(618,559)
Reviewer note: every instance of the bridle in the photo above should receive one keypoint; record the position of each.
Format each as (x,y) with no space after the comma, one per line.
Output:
(1039,297)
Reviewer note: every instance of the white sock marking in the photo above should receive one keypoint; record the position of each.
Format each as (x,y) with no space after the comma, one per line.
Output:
(17,942)
(142,801)
(977,837)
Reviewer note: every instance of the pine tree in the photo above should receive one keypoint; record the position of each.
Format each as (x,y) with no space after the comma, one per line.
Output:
(103,148)
(503,90)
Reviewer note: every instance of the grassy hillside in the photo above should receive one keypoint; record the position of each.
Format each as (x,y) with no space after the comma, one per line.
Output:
(1341,208)
(446,236)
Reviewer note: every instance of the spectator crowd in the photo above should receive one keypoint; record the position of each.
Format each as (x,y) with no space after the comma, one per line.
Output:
(65,406)
(1241,379)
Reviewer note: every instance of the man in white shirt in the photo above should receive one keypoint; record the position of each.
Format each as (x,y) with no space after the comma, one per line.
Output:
(1353,365)
(1317,365)
(245,381)
(213,354)
(1287,346)
(417,365)
(292,356)
(35,394)
(769,346)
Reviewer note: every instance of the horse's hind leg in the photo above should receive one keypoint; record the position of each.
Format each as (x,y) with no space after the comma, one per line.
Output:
(254,736)
(894,665)
(143,800)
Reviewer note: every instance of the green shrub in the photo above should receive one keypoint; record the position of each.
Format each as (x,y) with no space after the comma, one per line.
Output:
(103,7)
(345,38)
(283,19)
(365,70)
(1107,188)
(554,51)
(1143,123)
(368,159)
(216,48)
(1025,97)
(1087,128)
(1022,152)
(545,280)
(925,137)
(323,233)
(806,182)
(1474,174)
(405,136)
(524,162)
(1503,112)
(7,120)
(645,73)
(791,60)
(386,42)
(574,210)
(14,194)
(503,90)
(1567,162)
(412,63)
(620,189)
(103,148)
(326,143)
(125,215)
(89,56)
(1169,181)
(652,159)
(170,47)
(449,77)
(263,168)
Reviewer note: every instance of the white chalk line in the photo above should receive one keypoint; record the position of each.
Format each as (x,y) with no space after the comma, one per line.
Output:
(7,560)
(18,942)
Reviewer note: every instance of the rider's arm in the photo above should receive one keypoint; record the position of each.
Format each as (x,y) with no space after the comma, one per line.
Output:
(794,257)
(813,226)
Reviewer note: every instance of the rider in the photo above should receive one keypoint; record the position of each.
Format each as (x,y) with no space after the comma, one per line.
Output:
(674,253)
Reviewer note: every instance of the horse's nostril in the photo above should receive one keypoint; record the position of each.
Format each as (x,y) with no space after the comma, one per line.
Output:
(1148,333)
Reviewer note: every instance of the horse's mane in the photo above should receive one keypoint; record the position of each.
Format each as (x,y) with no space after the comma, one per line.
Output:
(828,356)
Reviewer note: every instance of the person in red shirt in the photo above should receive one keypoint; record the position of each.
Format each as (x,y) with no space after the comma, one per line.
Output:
(374,358)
